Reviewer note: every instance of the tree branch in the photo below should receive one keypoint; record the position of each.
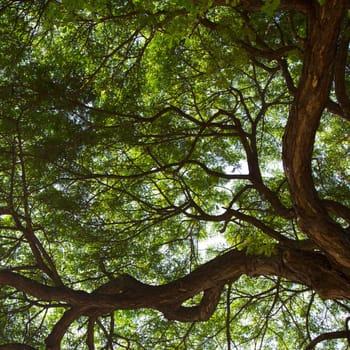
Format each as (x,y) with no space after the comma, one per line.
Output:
(256,5)
(16,346)
(125,292)
(310,101)
(201,312)
(327,336)
(53,341)
(340,72)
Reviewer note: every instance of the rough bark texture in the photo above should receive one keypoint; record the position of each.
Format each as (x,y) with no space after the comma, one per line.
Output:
(325,269)
(310,101)
(125,292)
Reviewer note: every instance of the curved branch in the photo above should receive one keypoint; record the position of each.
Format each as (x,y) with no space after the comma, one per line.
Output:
(201,312)
(41,291)
(284,241)
(254,168)
(337,209)
(310,101)
(217,173)
(327,336)
(125,292)
(256,5)
(16,346)
(43,259)
(53,341)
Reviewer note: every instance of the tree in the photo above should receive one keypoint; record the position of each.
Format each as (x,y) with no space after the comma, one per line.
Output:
(133,133)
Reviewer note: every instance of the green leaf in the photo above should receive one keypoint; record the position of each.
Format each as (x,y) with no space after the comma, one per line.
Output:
(270,6)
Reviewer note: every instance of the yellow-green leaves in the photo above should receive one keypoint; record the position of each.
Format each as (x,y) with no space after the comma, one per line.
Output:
(270,6)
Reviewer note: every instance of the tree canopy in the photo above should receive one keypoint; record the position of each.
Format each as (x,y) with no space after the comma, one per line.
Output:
(174,174)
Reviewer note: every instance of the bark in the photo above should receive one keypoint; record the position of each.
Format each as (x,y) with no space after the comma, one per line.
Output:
(256,5)
(306,111)
(340,72)
(16,346)
(125,292)
(327,336)
(326,271)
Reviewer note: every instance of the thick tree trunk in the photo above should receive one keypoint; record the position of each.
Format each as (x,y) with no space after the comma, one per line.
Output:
(324,24)
(327,271)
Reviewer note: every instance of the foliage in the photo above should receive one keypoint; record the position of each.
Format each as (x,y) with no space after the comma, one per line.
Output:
(134,134)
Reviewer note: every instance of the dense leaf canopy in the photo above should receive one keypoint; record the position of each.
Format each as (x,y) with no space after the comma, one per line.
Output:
(174,174)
